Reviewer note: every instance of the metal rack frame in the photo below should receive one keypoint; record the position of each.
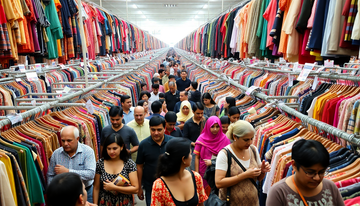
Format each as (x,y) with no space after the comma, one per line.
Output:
(305,119)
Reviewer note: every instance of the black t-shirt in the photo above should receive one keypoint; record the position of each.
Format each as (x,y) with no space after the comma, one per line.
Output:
(191,130)
(171,100)
(177,132)
(195,96)
(126,133)
(182,85)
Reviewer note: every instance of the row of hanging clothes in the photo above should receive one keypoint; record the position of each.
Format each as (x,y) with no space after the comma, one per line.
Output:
(299,31)
(26,148)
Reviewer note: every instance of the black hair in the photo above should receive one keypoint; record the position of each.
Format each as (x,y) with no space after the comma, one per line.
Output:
(232,103)
(155,86)
(141,103)
(124,97)
(170,116)
(207,95)
(115,138)
(157,120)
(161,95)
(144,93)
(225,120)
(171,77)
(155,79)
(143,84)
(170,162)
(233,111)
(185,92)
(197,106)
(162,101)
(183,71)
(156,106)
(161,65)
(116,110)
(194,85)
(64,189)
(307,153)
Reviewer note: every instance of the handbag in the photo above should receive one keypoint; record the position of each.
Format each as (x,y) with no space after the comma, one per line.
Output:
(213,199)
(243,168)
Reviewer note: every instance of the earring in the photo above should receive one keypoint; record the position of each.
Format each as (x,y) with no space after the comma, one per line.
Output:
(184,163)
(234,140)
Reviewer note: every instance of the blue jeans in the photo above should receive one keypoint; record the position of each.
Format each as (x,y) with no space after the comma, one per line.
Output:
(90,194)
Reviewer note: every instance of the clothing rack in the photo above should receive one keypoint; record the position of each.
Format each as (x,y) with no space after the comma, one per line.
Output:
(49,105)
(304,119)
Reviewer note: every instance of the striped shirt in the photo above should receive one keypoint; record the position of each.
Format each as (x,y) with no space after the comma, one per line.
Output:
(82,163)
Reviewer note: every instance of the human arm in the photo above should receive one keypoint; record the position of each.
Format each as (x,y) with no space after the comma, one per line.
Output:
(157,194)
(222,181)
(197,163)
(131,189)
(265,167)
(134,142)
(200,189)
(140,170)
(96,188)
(217,111)
(181,125)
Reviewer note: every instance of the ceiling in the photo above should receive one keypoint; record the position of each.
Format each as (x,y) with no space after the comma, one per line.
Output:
(169,20)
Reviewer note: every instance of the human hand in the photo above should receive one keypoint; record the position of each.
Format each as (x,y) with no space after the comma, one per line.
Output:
(207,162)
(59,169)
(90,204)
(193,144)
(265,167)
(141,194)
(109,186)
(253,172)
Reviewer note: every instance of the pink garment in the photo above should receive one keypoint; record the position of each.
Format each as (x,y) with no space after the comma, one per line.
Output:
(269,15)
(346,183)
(336,116)
(312,17)
(352,202)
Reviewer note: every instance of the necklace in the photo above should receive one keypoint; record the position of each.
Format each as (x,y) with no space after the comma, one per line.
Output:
(238,152)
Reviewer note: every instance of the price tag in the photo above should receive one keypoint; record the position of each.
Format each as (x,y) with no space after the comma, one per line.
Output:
(33,102)
(305,72)
(67,89)
(18,79)
(82,64)
(90,107)
(282,60)
(32,76)
(320,69)
(95,77)
(14,118)
(38,68)
(316,80)
(21,67)
(53,63)
(262,110)
(353,72)
(251,90)
(62,66)
(329,63)
(290,80)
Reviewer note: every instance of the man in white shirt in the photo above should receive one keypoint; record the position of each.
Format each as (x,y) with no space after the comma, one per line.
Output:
(154,94)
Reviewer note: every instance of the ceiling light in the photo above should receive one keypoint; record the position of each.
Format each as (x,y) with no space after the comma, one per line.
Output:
(134,6)
(205,6)
(196,16)
(147,19)
(192,19)
(140,12)
(143,16)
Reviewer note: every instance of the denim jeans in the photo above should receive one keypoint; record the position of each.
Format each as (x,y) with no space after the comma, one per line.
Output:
(90,194)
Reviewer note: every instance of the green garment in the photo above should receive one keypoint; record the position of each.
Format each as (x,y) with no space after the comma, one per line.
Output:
(54,31)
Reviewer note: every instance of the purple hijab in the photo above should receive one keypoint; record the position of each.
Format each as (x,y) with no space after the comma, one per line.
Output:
(213,142)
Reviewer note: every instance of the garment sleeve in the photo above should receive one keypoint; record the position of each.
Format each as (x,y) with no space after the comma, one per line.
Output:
(338,200)
(98,167)
(217,108)
(140,155)
(133,138)
(158,193)
(200,188)
(51,169)
(186,131)
(131,166)
(197,149)
(88,173)
(222,161)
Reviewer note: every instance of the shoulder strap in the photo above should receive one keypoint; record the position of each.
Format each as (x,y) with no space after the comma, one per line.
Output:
(228,174)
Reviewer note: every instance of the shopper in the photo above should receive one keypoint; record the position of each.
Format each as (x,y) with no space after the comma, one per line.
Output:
(154,95)
(144,95)
(183,83)
(74,157)
(234,116)
(149,151)
(193,127)
(115,161)
(67,185)
(225,122)
(145,105)
(128,110)
(307,186)
(208,145)
(172,96)
(166,77)
(195,95)
(184,114)
(175,184)
(156,107)
(124,131)
(229,102)
(183,97)
(164,109)
(161,87)
(242,182)
(171,79)
(211,109)
(144,87)
(170,128)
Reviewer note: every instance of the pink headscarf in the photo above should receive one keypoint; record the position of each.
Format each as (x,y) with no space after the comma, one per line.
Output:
(213,142)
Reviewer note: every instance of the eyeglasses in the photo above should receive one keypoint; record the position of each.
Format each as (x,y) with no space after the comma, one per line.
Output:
(321,174)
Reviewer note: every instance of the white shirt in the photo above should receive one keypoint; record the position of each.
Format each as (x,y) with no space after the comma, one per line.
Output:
(153,98)
(222,160)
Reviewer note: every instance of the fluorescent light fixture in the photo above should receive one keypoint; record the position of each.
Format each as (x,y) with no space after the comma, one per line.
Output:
(147,19)
(134,6)
(196,16)
(192,19)
(143,16)
(140,12)
(205,6)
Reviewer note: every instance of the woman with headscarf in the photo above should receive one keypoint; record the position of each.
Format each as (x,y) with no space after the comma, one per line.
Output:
(208,145)
(229,102)
(184,114)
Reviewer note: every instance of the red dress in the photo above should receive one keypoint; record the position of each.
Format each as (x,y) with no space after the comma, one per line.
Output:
(161,196)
